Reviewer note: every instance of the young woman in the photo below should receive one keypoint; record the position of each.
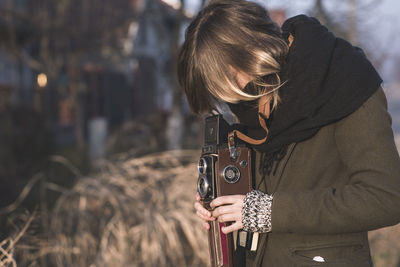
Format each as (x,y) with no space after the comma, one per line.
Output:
(329,171)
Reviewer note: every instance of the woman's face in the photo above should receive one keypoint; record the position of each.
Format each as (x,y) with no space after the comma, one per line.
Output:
(243,79)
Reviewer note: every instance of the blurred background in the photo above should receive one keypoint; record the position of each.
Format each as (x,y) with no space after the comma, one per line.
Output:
(97,144)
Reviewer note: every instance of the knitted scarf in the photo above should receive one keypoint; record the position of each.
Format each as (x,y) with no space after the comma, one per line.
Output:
(325,79)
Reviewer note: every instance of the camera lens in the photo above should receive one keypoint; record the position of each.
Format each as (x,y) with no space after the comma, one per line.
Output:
(203,187)
(231,174)
(202,166)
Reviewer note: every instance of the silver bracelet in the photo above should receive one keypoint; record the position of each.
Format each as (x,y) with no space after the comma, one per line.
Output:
(256,212)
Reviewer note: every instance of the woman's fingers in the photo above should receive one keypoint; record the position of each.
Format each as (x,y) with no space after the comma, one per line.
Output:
(233,227)
(206,225)
(230,199)
(228,213)
(199,207)
(202,212)
(205,218)
(231,217)
(226,209)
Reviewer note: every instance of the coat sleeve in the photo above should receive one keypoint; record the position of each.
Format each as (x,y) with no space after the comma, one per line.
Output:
(370,200)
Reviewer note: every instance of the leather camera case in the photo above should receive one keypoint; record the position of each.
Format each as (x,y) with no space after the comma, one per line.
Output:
(222,246)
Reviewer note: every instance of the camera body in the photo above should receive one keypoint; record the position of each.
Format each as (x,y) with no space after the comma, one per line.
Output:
(225,168)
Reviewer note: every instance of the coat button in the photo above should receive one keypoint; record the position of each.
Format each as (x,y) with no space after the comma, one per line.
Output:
(318,259)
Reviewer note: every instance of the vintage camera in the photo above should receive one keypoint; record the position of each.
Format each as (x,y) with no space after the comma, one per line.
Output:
(225,168)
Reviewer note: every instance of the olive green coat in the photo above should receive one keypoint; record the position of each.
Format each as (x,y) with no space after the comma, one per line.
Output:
(330,190)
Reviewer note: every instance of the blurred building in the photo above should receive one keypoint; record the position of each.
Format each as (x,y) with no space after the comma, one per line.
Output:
(14,71)
(152,50)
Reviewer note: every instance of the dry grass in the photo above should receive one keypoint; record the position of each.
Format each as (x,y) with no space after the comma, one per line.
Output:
(136,212)
(133,213)
(7,246)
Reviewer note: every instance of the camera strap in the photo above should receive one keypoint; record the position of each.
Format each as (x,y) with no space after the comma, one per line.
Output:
(263,114)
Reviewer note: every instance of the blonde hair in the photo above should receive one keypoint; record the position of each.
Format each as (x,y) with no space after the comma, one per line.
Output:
(227,37)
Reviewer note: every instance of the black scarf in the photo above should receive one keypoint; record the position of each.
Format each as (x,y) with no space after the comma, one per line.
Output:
(326,79)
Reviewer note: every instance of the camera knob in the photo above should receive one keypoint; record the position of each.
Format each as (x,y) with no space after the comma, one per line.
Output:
(231,174)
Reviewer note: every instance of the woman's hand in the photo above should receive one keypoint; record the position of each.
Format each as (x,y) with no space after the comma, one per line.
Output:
(228,209)
(203,213)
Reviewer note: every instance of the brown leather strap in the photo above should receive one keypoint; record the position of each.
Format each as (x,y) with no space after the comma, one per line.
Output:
(263,113)
(290,39)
